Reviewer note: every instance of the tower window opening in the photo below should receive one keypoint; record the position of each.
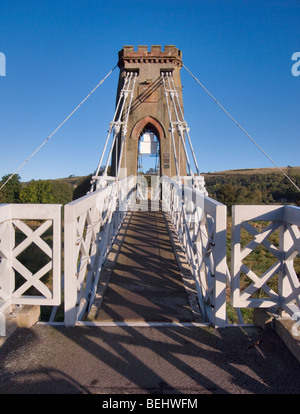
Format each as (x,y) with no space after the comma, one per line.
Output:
(148,154)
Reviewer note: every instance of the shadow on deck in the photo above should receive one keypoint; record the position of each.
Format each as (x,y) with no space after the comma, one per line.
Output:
(145,283)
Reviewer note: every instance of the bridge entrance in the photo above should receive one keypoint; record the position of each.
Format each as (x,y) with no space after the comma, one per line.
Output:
(149,136)
(148,143)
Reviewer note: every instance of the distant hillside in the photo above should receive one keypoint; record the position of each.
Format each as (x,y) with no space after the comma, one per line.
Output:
(253,171)
(72,180)
(241,186)
(79,185)
(254,186)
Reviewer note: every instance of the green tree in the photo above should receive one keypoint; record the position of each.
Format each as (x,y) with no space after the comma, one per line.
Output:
(61,192)
(255,197)
(39,191)
(46,192)
(10,193)
(227,194)
(241,195)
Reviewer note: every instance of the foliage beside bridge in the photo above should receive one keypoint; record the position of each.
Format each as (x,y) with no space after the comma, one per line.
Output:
(36,191)
(253,187)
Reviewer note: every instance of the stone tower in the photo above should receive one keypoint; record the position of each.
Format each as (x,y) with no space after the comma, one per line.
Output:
(149,111)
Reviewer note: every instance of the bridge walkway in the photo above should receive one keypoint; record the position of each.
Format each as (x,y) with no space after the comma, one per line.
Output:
(146,283)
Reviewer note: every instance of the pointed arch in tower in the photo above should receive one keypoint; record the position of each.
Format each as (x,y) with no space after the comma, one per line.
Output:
(148,123)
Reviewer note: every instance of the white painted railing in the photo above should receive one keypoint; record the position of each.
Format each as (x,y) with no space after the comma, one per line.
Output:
(148,197)
(21,226)
(285,220)
(200,223)
(91,225)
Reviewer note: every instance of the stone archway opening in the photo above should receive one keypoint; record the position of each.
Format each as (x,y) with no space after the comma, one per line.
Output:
(147,141)
(149,161)
(148,154)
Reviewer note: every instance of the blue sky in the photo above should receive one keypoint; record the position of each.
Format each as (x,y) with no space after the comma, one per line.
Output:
(57,51)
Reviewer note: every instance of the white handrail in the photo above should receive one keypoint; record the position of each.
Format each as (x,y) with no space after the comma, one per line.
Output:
(200,223)
(91,225)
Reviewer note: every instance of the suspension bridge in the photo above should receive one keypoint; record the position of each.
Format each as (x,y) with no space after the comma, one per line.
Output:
(147,250)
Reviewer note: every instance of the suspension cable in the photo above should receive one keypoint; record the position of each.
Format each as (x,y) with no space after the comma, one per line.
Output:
(241,128)
(126,116)
(117,124)
(183,127)
(51,135)
(171,127)
(112,127)
(180,126)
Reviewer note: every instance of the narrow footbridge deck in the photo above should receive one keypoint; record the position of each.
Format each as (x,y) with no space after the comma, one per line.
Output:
(145,283)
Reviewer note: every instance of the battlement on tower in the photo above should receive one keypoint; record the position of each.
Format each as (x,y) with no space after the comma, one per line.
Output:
(170,54)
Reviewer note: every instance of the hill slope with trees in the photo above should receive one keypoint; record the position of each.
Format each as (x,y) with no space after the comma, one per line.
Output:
(262,186)
(257,186)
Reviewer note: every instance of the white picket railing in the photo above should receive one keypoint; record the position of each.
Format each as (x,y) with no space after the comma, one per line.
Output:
(200,223)
(91,225)
(21,226)
(285,220)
